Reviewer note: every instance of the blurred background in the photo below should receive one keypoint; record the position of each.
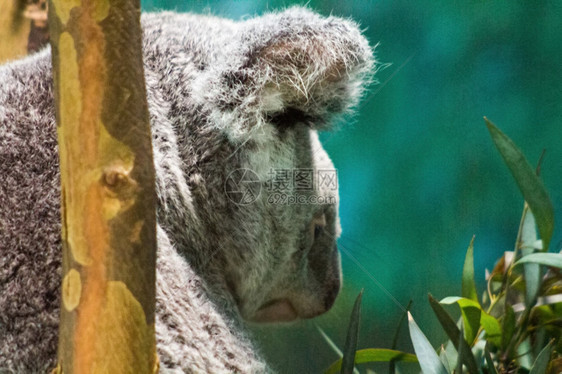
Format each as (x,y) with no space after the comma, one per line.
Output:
(418,173)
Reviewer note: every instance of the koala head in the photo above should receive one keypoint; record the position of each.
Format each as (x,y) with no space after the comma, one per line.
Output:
(264,191)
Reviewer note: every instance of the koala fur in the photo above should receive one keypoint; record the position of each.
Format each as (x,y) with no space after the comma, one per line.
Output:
(223,96)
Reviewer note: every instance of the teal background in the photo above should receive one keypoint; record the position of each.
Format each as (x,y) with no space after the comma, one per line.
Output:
(419,175)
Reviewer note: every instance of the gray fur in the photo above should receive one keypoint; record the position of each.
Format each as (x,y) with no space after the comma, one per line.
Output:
(222,95)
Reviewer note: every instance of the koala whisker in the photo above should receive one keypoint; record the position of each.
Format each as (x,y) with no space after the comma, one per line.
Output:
(379,88)
(372,277)
(368,250)
(331,343)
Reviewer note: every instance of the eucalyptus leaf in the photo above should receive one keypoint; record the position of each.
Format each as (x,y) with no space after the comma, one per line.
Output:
(461,350)
(478,351)
(450,327)
(471,323)
(490,324)
(548,259)
(427,357)
(391,365)
(532,271)
(451,355)
(508,326)
(364,356)
(468,283)
(551,299)
(350,347)
(525,354)
(444,359)
(541,363)
(529,183)
(491,368)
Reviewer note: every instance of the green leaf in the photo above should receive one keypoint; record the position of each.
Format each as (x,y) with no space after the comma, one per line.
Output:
(444,359)
(364,356)
(532,271)
(548,259)
(491,368)
(525,354)
(541,363)
(461,350)
(391,366)
(508,326)
(472,315)
(350,347)
(333,346)
(427,357)
(400,323)
(451,355)
(474,320)
(478,351)
(528,231)
(529,183)
(450,327)
(468,283)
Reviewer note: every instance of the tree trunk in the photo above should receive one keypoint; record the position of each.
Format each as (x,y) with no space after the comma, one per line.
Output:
(108,198)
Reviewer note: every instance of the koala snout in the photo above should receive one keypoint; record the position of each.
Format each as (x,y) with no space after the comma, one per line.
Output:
(331,294)
(328,286)
(329,276)
(332,282)
(279,310)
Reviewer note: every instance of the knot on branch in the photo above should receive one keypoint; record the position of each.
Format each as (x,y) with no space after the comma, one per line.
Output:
(118,183)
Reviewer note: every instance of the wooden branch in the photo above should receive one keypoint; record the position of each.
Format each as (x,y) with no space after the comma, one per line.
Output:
(108,198)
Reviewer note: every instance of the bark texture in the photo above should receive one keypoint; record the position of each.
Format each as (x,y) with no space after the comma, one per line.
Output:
(107,188)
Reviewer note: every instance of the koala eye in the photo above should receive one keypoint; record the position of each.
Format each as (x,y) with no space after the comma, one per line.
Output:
(289,117)
(317,225)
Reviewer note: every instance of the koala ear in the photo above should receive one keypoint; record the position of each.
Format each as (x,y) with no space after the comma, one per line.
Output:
(311,67)
(289,67)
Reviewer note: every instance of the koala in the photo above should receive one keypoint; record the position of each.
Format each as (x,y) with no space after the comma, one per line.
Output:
(235,107)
